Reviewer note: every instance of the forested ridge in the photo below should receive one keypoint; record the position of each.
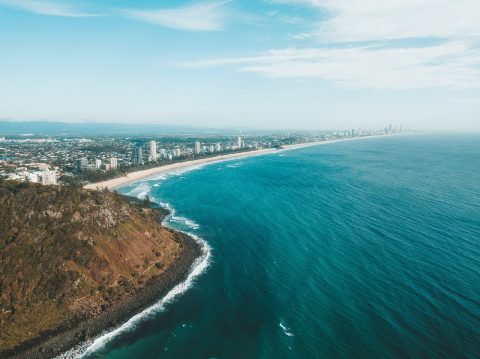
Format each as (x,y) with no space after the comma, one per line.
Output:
(69,253)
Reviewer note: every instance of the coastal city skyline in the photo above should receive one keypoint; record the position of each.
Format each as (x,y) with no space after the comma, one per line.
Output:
(63,159)
(266,64)
(239,179)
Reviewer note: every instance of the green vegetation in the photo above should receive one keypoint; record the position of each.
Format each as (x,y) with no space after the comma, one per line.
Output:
(67,253)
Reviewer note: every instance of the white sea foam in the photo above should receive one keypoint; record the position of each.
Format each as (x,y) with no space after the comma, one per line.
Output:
(185,221)
(180,171)
(140,191)
(169,208)
(142,195)
(198,267)
(234,165)
(158,178)
(286,329)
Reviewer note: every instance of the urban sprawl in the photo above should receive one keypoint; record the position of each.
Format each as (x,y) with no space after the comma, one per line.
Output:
(75,161)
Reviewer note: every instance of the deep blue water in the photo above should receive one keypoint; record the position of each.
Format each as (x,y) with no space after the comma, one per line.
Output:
(361,249)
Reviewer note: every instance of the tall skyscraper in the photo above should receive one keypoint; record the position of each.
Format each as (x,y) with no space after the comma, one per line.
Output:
(153,151)
(239,142)
(113,163)
(137,155)
(197,148)
(82,164)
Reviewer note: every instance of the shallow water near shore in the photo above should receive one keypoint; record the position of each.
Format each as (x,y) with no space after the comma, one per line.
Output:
(355,249)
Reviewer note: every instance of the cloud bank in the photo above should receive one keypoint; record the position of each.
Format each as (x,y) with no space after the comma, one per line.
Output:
(449,65)
(196,17)
(201,16)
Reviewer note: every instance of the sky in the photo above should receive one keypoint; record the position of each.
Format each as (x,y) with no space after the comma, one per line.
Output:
(279,64)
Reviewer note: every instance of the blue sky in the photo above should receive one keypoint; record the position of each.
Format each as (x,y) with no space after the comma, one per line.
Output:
(307,64)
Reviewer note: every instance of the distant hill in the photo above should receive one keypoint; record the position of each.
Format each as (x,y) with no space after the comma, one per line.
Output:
(69,254)
(46,128)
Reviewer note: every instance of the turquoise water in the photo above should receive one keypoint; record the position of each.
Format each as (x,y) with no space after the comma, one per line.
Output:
(365,249)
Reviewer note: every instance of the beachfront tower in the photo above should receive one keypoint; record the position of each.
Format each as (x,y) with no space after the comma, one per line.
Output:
(239,142)
(137,155)
(153,151)
(113,163)
(197,148)
(82,164)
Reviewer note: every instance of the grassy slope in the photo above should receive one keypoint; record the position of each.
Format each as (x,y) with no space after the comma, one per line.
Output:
(70,253)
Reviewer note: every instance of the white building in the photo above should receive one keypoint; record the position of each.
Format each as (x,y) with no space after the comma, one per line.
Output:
(49,178)
(32,177)
(113,163)
(218,147)
(197,148)
(153,151)
(98,163)
(239,142)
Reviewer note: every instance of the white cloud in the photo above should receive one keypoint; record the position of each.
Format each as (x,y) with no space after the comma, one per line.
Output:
(201,16)
(449,65)
(196,17)
(370,20)
(454,63)
(46,7)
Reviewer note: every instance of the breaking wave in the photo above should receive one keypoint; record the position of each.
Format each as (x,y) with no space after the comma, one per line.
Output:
(198,267)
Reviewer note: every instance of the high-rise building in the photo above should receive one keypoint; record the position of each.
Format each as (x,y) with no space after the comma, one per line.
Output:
(82,164)
(137,155)
(49,178)
(218,147)
(197,148)
(239,142)
(113,163)
(98,163)
(153,151)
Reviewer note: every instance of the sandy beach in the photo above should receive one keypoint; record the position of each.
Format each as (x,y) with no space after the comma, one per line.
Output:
(131,177)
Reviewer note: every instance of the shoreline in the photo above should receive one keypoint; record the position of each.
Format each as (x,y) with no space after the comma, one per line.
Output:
(132,177)
(67,340)
(73,334)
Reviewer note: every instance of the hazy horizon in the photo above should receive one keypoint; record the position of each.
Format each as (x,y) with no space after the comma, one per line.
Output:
(271,64)
(171,128)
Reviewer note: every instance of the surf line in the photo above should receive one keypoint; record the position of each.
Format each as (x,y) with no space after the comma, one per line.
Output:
(199,266)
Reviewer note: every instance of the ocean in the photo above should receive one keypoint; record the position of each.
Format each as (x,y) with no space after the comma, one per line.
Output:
(357,249)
